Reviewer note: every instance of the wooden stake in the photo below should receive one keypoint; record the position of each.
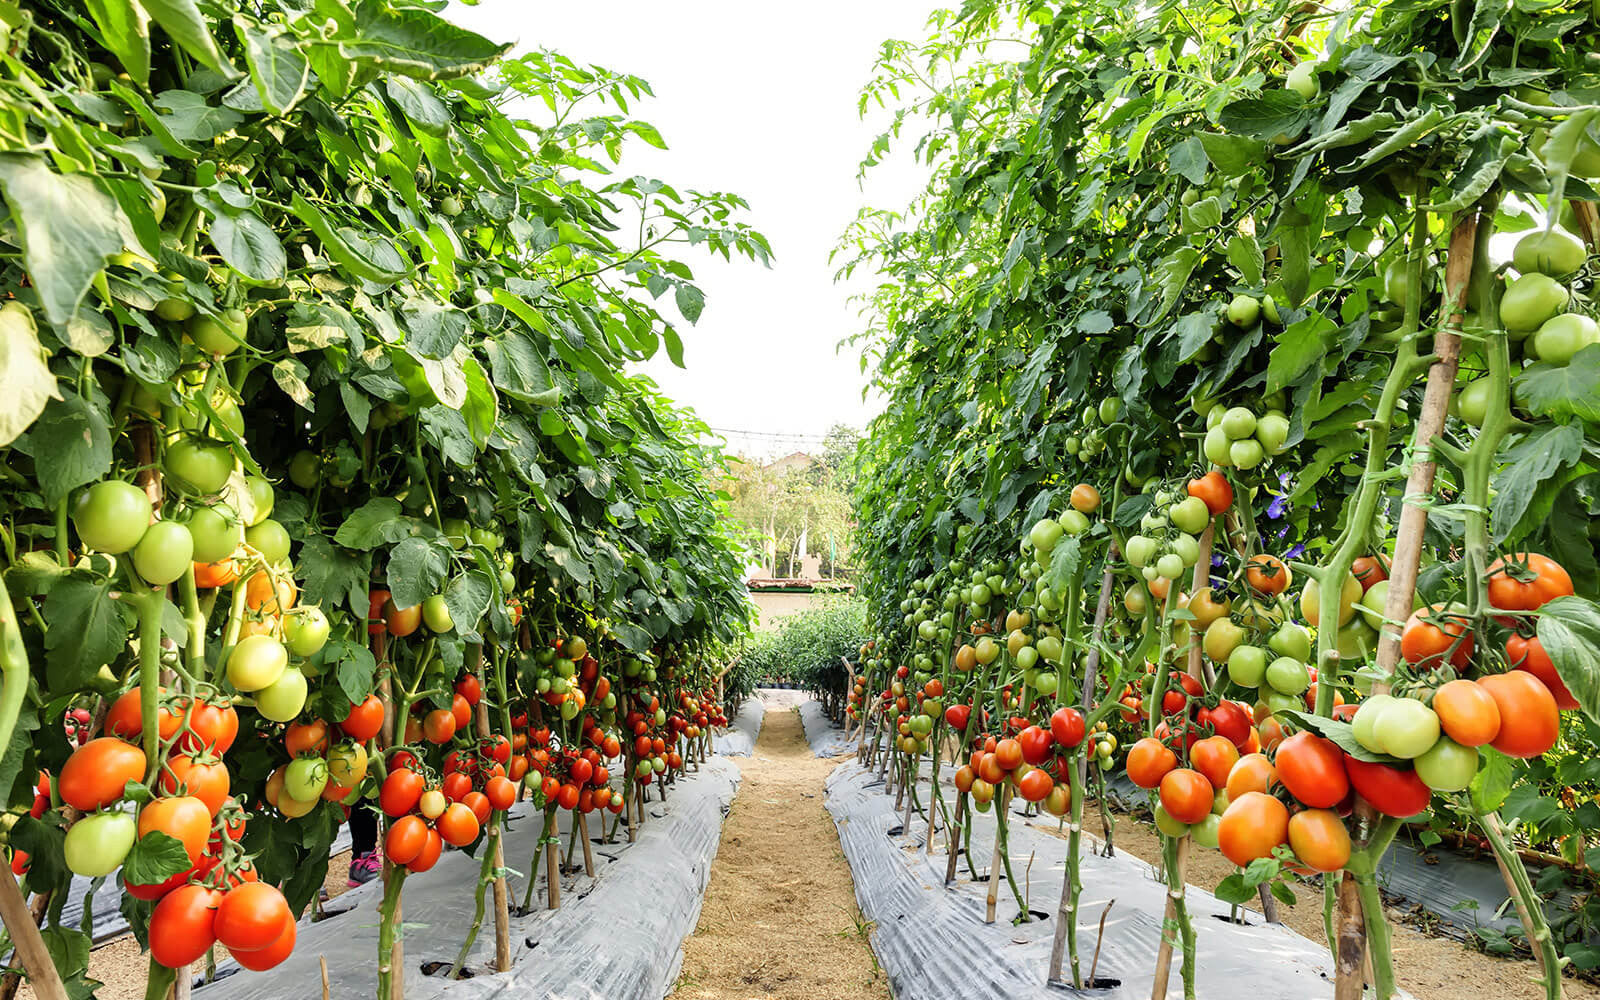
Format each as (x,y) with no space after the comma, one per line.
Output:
(955,832)
(1158,990)
(1350,961)
(29,944)
(322,960)
(502,904)
(1000,804)
(552,864)
(588,851)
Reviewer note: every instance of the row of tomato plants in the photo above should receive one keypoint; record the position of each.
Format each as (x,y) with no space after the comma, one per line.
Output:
(1269,276)
(325,487)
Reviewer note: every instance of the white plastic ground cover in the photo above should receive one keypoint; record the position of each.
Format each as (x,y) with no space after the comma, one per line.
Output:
(933,943)
(826,739)
(618,936)
(743,728)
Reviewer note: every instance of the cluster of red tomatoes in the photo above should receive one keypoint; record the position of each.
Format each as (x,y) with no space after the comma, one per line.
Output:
(1029,760)
(576,778)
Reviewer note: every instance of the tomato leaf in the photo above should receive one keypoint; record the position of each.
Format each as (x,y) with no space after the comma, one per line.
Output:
(69,226)
(28,390)
(1569,630)
(249,246)
(1274,113)
(124,28)
(88,629)
(417,568)
(1572,389)
(414,42)
(1492,783)
(1544,456)
(182,20)
(277,65)
(155,857)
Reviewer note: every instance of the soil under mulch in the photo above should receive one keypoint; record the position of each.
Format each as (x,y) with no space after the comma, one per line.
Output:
(780,918)
(1429,967)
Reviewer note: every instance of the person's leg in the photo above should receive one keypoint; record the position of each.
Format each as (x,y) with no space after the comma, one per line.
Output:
(365,862)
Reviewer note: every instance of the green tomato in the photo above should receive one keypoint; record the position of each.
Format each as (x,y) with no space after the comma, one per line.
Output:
(1219,802)
(1447,766)
(1110,409)
(1395,283)
(283,699)
(174,310)
(1244,310)
(1044,534)
(1365,726)
(270,539)
(1269,309)
(97,844)
(437,614)
(1287,675)
(257,662)
(457,532)
(1292,640)
(1027,658)
(1074,522)
(305,469)
(1302,79)
(1272,431)
(215,536)
(1190,515)
(1205,832)
(1223,638)
(1140,551)
(1548,252)
(1357,641)
(1560,337)
(1277,701)
(1472,401)
(508,580)
(1187,548)
(1247,665)
(305,631)
(1529,301)
(1407,728)
(1218,449)
(262,499)
(305,778)
(199,465)
(1049,648)
(1170,566)
(222,334)
(1046,682)
(1238,422)
(1246,454)
(111,516)
(1372,602)
(485,537)
(1167,825)
(164,553)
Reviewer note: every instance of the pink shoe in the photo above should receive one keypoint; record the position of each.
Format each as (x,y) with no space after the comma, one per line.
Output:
(365,867)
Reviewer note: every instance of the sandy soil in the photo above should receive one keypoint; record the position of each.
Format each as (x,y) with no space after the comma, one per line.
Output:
(1427,967)
(780,917)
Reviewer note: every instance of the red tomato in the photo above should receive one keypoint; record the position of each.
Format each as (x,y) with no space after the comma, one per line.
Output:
(479,804)
(206,778)
(1525,581)
(501,792)
(1214,757)
(461,710)
(400,792)
(182,927)
(1252,827)
(405,840)
(469,688)
(1391,791)
(1529,721)
(124,717)
(440,725)
(365,720)
(1037,745)
(270,956)
(1527,653)
(182,817)
(430,853)
(1186,795)
(1433,635)
(1230,720)
(1312,769)
(1036,785)
(1067,727)
(459,827)
(1214,489)
(1149,761)
(97,772)
(252,916)
(456,786)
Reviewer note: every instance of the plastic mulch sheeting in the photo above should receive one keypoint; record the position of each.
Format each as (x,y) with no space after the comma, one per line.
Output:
(929,937)
(826,739)
(743,728)
(617,936)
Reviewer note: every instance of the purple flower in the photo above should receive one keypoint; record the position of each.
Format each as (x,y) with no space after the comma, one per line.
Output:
(1296,552)
(1278,507)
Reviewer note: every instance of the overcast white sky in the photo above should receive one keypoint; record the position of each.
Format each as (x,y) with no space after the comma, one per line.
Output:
(760,100)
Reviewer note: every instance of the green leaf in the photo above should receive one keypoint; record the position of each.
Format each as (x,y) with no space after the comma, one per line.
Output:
(356,669)
(690,301)
(417,43)
(1341,733)
(291,377)
(1531,465)
(333,576)
(376,522)
(1188,160)
(71,445)
(467,596)
(1572,389)
(1569,630)
(182,20)
(88,629)
(1300,346)
(337,247)
(249,246)
(277,65)
(1234,155)
(435,328)
(519,369)
(1492,783)
(419,103)
(1273,114)
(1245,254)
(155,857)
(1172,274)
(417,568)
(124,27)
(26,384)
(69,226)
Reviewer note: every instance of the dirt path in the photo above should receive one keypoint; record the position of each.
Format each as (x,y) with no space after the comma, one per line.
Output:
(780,917)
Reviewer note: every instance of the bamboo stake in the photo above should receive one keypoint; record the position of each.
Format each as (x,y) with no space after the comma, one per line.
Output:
(322,961)
(588,851)
(29,944)
(995,859)
(502,905)
(955,837)
(38,908)
(552,865)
